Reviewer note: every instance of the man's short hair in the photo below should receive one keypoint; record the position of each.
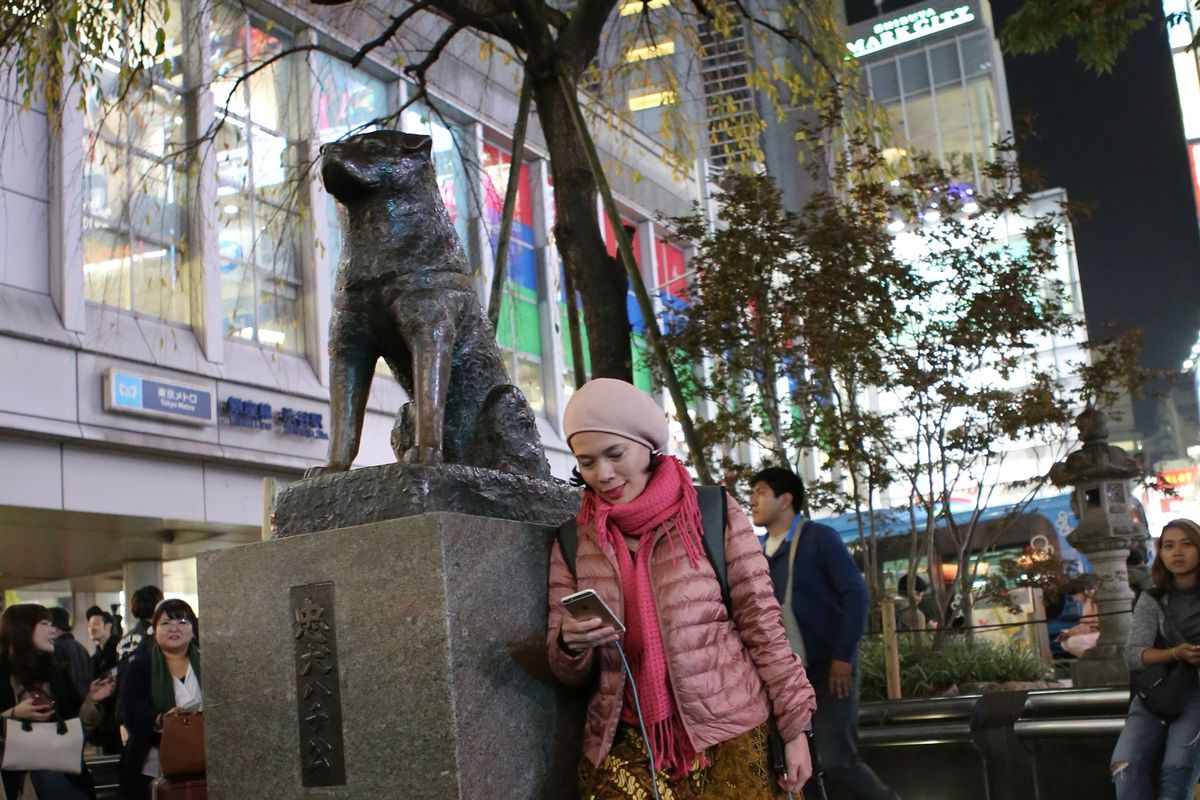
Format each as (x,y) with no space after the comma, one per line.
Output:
(60,618)
(93,611)
(144,601)
(902,584)
(782,481)
(97,611)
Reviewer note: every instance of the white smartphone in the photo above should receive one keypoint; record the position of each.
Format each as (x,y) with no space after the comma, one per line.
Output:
(588,604)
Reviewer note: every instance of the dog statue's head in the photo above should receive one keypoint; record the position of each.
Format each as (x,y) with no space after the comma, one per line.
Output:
(355,167)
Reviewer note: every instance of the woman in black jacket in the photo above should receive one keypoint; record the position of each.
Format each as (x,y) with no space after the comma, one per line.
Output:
(34,688)
(163,680)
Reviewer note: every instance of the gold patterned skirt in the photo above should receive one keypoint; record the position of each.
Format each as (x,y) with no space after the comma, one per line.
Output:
(739,769)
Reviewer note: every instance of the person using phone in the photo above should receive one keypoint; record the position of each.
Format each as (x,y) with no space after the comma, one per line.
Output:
(163,680)
(34,687)
(1165,630)
(706,683)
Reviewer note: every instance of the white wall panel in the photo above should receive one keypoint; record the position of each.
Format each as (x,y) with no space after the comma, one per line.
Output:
(37,379)
(233,496)
(24,242)
(23,151)
(30,474)
(113,482)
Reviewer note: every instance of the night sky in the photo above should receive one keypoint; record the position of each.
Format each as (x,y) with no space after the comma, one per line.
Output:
(1115,143)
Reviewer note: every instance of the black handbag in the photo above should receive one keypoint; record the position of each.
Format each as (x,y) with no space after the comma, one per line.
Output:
(1164,688)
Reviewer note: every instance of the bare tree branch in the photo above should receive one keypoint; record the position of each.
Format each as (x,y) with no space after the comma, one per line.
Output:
(422,66)
(500,23)
(387,35)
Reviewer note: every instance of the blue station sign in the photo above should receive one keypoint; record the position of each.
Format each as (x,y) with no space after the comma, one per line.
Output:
(129,393)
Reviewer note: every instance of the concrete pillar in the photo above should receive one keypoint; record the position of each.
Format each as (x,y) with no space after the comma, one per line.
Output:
(135,575)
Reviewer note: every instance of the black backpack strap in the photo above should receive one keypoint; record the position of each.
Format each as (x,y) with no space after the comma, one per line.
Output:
(568,542)
(714,515)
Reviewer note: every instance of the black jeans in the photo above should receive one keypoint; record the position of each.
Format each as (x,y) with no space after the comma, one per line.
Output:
(835,729)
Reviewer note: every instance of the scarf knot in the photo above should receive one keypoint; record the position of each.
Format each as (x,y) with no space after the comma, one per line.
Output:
(669,503)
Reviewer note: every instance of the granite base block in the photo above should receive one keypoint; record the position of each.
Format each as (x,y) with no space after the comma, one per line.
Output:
(392,491)
(1102,666)
(445,691)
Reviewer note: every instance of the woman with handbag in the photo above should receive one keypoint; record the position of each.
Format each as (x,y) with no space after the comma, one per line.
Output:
(162,682)
(706,676)
(1162,732)
(43,713)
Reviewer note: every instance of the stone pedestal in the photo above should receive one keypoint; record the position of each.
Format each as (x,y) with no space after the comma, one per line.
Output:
(1107,528)
(1104,664)
(438,629)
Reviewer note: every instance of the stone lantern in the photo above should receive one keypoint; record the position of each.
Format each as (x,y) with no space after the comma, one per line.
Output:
(1103,502)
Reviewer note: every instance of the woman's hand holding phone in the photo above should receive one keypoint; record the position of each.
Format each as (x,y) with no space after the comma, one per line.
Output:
(36,708)
(583,634)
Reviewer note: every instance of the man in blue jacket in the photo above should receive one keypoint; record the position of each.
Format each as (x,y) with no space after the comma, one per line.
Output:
(825,615)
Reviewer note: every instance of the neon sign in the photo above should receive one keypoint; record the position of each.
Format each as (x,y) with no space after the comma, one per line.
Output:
(910,27)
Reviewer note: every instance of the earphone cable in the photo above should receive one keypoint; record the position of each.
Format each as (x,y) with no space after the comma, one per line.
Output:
(641,723)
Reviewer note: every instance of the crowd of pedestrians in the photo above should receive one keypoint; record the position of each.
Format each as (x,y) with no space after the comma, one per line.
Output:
(118,698)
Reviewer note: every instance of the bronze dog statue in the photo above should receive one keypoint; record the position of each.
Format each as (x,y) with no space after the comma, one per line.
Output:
(405,293)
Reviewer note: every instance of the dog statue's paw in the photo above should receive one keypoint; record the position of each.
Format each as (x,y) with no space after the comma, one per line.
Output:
(313,472)
(422,455)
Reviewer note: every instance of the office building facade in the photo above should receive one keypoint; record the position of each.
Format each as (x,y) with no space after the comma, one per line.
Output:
(164,311)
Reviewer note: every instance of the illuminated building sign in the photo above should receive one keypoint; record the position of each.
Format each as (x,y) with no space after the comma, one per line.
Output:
(908,28)
(127,393)
(1179,477)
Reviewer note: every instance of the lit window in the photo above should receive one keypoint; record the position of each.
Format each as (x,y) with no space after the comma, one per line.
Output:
(258,191)
(641,102)
(134,181)
(519,325)
(348,101)
(629,7)
(650,51)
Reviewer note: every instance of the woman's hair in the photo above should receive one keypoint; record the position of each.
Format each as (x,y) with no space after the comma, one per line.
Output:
(576,478)
(1160,576)
(144,601)
(175,609)
(27,663)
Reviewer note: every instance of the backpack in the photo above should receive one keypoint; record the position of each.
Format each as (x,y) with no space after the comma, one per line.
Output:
(713,515)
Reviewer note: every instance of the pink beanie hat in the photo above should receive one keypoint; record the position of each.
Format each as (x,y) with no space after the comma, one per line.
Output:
(607,405)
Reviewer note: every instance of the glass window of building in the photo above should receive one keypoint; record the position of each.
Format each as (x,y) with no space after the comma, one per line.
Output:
(564,331)
(450,143)
(885,85)
(348,101)
(134,181)
(637,323)
(519,326)
(258,185)
(946,104)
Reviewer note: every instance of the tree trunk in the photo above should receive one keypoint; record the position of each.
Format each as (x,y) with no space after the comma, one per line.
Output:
(599,278)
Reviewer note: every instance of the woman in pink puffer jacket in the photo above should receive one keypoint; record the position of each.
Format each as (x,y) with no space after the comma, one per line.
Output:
(706,683)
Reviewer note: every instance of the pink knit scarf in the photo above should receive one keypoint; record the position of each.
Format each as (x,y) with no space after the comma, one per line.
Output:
(669,501)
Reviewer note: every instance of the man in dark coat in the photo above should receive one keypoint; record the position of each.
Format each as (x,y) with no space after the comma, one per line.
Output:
(100,628)
(70,652)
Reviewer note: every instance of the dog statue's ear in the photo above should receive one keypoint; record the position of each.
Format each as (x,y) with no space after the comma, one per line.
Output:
(418,143)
